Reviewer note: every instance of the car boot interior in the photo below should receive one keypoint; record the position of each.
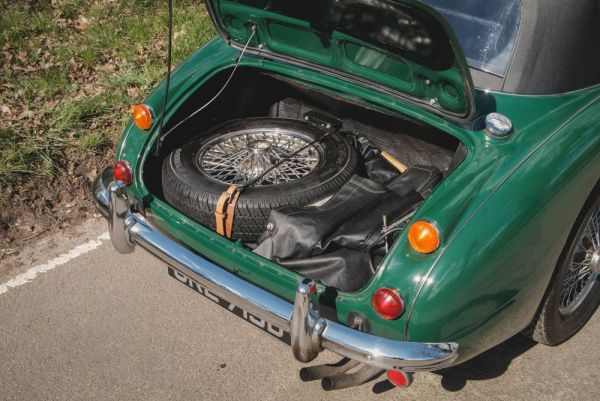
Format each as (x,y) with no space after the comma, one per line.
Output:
(359,173)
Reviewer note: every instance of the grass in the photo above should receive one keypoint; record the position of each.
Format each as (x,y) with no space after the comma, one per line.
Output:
(71,69)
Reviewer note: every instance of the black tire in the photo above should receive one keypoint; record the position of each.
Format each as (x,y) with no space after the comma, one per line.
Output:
(556,322)
(191,191)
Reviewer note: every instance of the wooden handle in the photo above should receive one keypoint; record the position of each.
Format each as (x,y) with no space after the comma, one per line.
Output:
(401,167)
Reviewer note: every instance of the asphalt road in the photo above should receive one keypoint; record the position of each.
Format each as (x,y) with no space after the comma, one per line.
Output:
(103,326)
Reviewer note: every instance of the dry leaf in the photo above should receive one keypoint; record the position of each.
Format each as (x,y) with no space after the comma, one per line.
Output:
(26,114)
(82,23)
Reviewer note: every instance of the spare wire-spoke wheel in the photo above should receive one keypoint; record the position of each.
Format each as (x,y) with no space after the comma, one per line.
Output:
(254,154)
(278,162)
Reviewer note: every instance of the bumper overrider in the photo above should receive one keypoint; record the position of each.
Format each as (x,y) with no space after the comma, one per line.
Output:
(307,332)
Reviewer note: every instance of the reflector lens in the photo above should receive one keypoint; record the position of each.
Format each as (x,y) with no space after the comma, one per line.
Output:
(399,378)
(387,303)
(122,172)
(142,116)
(423,237)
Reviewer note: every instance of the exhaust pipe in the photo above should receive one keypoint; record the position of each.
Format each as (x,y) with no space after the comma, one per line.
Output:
(320,371)
(344,380)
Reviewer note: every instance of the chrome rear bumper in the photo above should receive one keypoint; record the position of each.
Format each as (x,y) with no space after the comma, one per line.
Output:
(309,332)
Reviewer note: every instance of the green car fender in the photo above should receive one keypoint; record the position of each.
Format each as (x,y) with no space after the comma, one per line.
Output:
(492,276)
(459,197)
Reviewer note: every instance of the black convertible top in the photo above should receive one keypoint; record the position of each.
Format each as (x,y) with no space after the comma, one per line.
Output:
(557,49)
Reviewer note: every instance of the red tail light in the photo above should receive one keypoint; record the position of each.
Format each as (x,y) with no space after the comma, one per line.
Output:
(399,378)
(387,303)
(122,172)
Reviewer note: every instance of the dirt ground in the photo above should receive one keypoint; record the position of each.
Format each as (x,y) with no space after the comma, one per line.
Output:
(46,205)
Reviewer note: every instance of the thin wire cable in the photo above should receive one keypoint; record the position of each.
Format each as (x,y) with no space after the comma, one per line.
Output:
(256,180)
(162,137)
(169,63)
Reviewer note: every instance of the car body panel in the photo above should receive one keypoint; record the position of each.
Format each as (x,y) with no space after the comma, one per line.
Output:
(463,291)
(429,66)
(497,269)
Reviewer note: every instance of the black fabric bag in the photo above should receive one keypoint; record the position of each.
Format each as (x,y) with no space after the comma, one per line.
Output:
(332,242)
(300,232)
(376,168)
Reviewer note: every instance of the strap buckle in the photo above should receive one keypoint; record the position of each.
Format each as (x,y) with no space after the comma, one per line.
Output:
(225,211)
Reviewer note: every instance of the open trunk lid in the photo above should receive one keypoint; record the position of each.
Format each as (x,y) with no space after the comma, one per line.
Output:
(404,47)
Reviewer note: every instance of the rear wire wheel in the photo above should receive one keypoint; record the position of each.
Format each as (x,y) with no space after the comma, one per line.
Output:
(574,293)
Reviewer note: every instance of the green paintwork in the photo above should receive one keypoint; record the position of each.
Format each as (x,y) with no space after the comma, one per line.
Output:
(442,82)
(504,213)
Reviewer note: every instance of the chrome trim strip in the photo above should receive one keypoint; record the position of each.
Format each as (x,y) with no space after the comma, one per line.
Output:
(310,333)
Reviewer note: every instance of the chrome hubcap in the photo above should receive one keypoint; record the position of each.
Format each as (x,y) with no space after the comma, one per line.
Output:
(584,269)
(595,266)
(243,156)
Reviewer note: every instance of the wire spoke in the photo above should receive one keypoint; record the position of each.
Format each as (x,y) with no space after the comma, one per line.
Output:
(580,277)
(240,157)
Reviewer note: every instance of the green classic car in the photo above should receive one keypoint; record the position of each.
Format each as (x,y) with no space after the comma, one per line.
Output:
(404,183)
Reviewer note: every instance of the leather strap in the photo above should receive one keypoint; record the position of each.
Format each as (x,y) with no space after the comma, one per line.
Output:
(225,211)
(231,214)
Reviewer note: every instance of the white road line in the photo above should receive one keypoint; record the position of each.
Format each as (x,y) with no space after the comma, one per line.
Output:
(32,273)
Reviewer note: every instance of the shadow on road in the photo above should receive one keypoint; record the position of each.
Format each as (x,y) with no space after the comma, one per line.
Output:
(489,365)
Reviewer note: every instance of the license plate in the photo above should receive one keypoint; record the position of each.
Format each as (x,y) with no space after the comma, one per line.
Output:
(263,325)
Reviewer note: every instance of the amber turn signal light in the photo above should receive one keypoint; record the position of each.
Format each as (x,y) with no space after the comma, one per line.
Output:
(142,116)
(423,237)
